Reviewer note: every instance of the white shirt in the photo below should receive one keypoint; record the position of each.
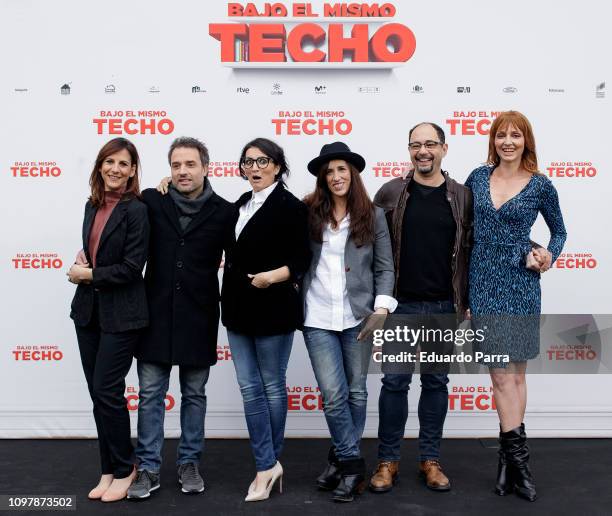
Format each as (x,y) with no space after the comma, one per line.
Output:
(327,303)
(249,209)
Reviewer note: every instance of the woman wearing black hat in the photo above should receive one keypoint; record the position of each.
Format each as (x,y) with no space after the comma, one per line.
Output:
(351,276)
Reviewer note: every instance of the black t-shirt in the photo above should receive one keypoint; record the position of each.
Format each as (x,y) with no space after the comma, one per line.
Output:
(428,237)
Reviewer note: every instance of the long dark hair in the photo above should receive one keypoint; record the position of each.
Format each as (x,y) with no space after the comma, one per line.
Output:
(359,207)
(95,179)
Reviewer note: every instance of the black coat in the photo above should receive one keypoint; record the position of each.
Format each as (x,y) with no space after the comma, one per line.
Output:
(275,236)
(182,281)
(117,277)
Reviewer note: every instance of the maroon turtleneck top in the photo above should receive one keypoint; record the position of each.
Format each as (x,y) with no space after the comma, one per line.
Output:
(102,215)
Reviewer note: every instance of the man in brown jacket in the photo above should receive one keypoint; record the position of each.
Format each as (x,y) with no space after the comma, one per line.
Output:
(430,219)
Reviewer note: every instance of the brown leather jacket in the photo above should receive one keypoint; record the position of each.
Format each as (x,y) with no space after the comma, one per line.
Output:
(392,198)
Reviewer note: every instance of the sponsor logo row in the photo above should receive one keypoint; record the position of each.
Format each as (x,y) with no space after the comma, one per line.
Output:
(321,89)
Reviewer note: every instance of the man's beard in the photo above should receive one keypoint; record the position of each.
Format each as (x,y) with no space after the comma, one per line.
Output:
(426,170)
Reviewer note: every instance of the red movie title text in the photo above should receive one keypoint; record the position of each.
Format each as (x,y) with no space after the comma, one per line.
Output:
(571,169)
(37,261)
(304,398)
(223,169)
(295,123)
(133,122)
(276,42)
(132,397)
(35,169)
(575,261)
(471,398)
(391,168)
(470,123)
(37,353)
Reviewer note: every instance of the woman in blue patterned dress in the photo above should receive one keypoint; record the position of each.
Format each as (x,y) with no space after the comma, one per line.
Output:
(509,193)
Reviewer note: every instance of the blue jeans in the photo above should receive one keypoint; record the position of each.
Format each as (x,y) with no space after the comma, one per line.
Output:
(340,365)
(261,370)
(433,402)
(153,380)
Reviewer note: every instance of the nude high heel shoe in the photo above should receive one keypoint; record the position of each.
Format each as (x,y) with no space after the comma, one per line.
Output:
(264,493)
(119,488)
(97,492)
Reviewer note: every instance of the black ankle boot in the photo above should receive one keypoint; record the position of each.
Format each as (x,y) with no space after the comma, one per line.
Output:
(503,485)
(352,481)
(517,455)
(330,478)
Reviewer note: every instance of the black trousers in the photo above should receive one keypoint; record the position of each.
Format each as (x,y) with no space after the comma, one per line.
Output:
(106,359)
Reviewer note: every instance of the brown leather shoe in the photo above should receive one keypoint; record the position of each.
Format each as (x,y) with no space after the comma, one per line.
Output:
(385,476)
(435,479)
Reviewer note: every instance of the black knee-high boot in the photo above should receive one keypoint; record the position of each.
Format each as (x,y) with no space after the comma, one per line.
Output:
(503,485)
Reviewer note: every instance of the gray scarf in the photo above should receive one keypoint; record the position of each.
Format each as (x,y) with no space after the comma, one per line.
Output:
(188,208)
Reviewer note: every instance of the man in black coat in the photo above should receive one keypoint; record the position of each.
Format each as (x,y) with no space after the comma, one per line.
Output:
(190,228)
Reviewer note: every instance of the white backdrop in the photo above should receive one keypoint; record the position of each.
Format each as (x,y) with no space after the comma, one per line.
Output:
(547,59)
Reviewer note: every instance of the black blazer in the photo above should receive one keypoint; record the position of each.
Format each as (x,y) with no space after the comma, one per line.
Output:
(182,281)
(276,235)
(117,277)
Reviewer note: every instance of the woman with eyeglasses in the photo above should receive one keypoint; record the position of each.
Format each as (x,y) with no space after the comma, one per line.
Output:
(351,277)
(260,301)
(504,279)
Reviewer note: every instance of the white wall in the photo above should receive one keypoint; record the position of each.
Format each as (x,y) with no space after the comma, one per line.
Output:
(530,46)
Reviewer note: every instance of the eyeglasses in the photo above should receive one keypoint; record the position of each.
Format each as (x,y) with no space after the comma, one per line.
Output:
(262,162)
(429,145)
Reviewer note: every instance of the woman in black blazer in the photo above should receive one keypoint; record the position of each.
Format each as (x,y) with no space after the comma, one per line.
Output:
(109,306)
(260,302)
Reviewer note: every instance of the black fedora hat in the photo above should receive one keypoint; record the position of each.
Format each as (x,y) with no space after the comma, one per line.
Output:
(336,150)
